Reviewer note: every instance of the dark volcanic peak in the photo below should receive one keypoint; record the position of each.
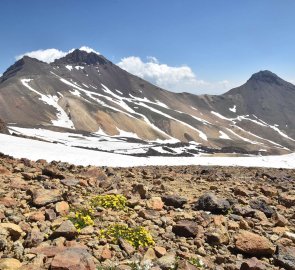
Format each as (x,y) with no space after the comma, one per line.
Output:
(266,76)
(82,57)
(18,65)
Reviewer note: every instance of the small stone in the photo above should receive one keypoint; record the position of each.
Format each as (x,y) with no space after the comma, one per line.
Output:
(209,202)
(185,228)
(62,208)
(262,206)
(150,255)
(287,200)
(218,236)
(173,200)
(70,182)
(141,190)
(106,253)
(34,238)
(10,264)
(253,264)
(36,216)
(14,230)
(50,214)
(87,230)
(126,246)
(149,214)
(160,251)
(185,265)
(66,229)
(253,244)
(285,257)
(72,259)
(241,191)
(290,236)
(155,203)
(42,197)
(8,201)
(279,220)
(167,262)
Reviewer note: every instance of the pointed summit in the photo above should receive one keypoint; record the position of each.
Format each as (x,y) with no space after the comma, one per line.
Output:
(80,57)
(266,76)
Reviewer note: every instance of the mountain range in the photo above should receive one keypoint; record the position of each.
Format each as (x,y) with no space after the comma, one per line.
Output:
(85,93)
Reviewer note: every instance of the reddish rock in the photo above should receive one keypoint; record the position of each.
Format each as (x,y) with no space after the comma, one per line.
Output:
(73,259)
(155,203)
(50,251)
(185,228)
(106,253)
(36,216)
(62,208)
(160,251)
(253,264)
(43,197)
(8,201)
(287,200)
(66,229)
(253,244)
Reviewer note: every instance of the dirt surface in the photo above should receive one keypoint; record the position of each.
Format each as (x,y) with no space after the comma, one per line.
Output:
(199,217)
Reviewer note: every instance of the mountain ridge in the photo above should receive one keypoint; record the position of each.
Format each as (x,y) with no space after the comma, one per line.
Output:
(85,91)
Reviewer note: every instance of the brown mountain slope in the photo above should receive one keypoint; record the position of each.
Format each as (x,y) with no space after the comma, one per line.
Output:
(85,91)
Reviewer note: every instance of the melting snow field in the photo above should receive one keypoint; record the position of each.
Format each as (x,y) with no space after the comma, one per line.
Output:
(34,150)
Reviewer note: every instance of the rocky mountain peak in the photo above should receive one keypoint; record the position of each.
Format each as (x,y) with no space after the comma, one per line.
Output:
(26,61)
(265,76)
(82,57)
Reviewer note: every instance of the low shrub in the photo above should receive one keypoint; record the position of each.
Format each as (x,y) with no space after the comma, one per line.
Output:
(137,236)
(116,202)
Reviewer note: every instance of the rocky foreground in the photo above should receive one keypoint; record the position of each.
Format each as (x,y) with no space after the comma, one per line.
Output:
(198,217)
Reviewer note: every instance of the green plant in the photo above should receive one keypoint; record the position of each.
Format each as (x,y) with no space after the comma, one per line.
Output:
(83,218)
(196,262)
(116,202)
(137,236)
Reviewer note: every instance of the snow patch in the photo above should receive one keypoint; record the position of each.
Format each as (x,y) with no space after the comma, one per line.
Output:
(233,109)
(63,119)
(224,135)
(34,150)
(69,67)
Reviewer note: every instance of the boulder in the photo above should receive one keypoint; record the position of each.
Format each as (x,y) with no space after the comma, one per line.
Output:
(73,259)
(14,230)
(66,229)
(253,244)
(10,264)
(185,228)
(173,200)
(287,200)
(42,197)
(209,202)
(262,206)
(285,257)
(253,264)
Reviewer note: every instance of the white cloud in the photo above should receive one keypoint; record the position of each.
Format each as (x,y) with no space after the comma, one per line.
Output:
(179,79)
(49,55)
(88,49)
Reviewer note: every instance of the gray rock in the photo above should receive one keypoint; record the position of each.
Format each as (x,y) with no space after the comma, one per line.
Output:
(262,206)
(185,228)
(209,202)
(66,229)
(173,200)
(285,257)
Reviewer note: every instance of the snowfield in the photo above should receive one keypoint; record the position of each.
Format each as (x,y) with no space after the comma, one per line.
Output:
(34,150)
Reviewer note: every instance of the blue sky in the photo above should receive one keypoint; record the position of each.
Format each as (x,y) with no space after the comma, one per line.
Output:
(195,45)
